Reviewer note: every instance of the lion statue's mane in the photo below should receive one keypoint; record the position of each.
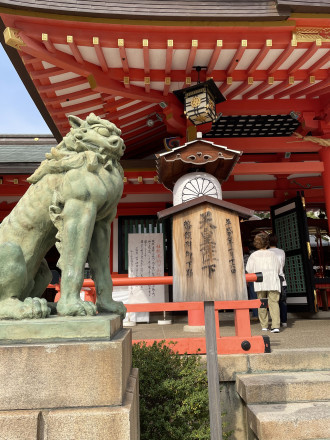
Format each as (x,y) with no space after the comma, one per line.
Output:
(73,151)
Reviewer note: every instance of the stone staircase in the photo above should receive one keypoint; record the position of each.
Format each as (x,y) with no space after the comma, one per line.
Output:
(287,405)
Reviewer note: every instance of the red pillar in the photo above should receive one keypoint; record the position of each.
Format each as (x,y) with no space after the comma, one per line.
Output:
(325,156)
(196,318)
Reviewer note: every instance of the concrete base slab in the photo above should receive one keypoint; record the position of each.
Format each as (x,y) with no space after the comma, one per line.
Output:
(164,322)
(58,328)
(194,328)
(284,387)
(293,421)
(129,324)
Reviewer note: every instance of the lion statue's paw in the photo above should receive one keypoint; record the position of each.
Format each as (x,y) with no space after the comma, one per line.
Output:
(76,308)
(36,308)
(116,307)
(31,308)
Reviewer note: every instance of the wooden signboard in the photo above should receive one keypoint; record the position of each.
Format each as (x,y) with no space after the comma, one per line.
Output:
(207,251)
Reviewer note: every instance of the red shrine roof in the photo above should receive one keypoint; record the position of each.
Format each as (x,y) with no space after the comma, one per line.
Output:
(125,69)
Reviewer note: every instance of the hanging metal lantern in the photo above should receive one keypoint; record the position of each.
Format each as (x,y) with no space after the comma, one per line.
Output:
(200,101)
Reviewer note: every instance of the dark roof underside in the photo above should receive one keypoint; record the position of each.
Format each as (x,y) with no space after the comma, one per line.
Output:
(176,9)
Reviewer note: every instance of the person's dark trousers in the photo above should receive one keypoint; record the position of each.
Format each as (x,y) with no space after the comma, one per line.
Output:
(252,295)
(283,306)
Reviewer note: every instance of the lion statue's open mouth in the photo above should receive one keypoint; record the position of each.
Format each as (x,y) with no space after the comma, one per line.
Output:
(71,202)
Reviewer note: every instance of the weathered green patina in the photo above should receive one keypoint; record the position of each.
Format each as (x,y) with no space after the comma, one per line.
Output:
(71,202)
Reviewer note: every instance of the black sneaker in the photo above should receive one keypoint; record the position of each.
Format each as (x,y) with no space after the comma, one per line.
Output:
(275,330)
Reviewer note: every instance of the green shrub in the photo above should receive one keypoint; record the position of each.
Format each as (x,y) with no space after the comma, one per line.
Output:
(173,394)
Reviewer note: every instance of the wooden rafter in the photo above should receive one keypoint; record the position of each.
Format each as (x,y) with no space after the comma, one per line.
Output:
(112,104)
(74,82)
(29,59)
(236,58)
(146,56)
(123,56)
(325,91)
(275,90)
(100,55)
(240,89)
(141,132)
(191,58)
(320,63)
(312,91)
(81,107)
(214,58)
(226,84)
(127,120)
(74,49)
(304,58)
(280,60)
(70,97)
(146,63)
(135,126)
(48,43)
(110,107)
(257,90)
(301,86)
(134,108)
(46,73)
(167,85)
(260,57)
(169,57)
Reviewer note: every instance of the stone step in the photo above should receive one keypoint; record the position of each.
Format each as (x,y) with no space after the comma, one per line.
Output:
(293,421)
(284,387)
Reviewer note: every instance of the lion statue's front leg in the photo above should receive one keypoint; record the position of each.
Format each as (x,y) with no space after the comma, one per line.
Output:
(83,238)
(98,259)
(78,218)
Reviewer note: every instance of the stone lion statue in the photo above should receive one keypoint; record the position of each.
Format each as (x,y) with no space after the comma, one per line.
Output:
(71,203)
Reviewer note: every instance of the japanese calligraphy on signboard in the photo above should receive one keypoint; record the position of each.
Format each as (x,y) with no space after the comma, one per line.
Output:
(207,255)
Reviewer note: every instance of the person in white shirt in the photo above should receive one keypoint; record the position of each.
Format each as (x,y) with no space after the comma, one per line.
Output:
(265,261)
(273,240)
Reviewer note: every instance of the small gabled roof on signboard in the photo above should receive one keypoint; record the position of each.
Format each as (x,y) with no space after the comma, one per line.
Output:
(196,155)
(241,211)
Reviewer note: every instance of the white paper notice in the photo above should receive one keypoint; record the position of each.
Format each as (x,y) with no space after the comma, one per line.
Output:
(145,259)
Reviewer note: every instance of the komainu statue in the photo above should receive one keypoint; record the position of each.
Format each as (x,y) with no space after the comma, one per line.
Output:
(71,202)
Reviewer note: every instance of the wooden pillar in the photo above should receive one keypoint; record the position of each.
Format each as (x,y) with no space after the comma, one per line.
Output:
(325,156)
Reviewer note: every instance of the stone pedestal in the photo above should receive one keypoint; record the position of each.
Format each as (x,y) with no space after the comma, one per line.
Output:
(80,386)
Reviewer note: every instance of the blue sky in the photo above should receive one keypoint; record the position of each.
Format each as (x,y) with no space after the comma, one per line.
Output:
(18,114)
